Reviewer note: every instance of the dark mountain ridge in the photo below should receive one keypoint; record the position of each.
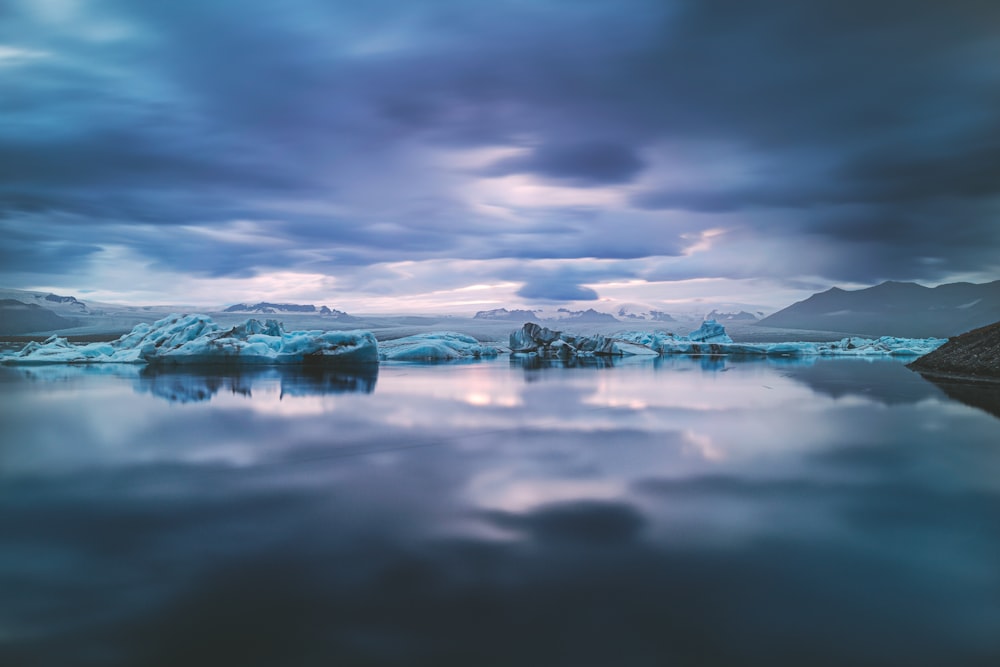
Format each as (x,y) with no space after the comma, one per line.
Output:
(895,309)
(19,317)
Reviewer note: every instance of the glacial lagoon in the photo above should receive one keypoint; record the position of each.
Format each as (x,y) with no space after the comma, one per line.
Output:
(668,511)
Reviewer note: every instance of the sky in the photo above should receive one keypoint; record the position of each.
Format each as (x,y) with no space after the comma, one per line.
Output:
(461,155)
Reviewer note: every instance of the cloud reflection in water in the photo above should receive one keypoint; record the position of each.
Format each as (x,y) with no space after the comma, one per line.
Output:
(577,518)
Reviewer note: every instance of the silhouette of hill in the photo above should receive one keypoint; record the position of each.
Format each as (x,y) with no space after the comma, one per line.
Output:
(18,317)
(895,309)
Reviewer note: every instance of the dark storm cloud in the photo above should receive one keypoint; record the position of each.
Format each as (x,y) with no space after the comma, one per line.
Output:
(554,290)
(875,125)
(565,283)
(34,253)
(863,107)
(586,163)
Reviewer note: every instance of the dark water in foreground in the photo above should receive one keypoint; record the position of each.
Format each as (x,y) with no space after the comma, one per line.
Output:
(683,512)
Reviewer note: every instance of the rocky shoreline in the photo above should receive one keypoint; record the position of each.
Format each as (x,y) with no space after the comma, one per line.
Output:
(974,354)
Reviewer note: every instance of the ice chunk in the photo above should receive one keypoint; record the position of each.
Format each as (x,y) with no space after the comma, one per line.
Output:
(710,331)
(711,338)
(437,346)
(535,339)
(886,345)
(856,347)
(196,339)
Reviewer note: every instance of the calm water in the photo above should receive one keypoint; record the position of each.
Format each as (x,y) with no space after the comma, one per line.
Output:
(678,512)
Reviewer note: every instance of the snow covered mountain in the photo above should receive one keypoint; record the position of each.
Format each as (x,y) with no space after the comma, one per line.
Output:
(271,308)
(895,308)
(502,314)
(741,316)
(589,315)
(630,313)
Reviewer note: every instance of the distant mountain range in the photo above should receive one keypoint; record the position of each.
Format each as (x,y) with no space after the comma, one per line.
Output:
(895,309)
(625,313)
(589,315)
(629,314)
(71,300)
(504,315)
(272,308)
(560,315)
(741,316)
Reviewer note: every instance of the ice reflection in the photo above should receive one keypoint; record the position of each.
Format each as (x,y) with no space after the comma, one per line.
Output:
(191,386)
(627,514)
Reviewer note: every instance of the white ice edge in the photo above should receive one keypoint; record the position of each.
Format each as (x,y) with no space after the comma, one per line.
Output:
(196,339)
(709,338)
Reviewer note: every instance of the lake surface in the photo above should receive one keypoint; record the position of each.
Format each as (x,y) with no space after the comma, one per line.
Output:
(670,512)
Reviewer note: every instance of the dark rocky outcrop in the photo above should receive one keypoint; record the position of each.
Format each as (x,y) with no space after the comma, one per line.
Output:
(64,300)
(974,354)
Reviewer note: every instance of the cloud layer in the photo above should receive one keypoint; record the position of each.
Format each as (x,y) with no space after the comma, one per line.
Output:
(819,142)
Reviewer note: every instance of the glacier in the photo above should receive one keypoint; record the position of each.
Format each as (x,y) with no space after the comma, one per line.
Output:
(437,346)
(197,339)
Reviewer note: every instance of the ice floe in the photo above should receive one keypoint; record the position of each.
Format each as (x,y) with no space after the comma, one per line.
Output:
(665,343)
(437,346)
(539,340)
(709,338)
(197,339)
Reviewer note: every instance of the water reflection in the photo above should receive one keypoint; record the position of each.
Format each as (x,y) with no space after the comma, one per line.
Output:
(190,386)
(981,394)
(461,515)
(704,361)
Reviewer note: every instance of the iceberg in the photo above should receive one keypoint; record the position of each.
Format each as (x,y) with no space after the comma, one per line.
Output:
(710,331)
(668,343)
(437,346)
(710,338)
(538,340)
(197,339)
(179,340)
(886,345)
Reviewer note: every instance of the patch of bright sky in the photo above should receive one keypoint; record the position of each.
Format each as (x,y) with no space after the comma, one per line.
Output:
(524,191)
(117,275)
(11,56)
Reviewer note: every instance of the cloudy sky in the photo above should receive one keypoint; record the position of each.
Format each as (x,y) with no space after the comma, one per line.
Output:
(456,155)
